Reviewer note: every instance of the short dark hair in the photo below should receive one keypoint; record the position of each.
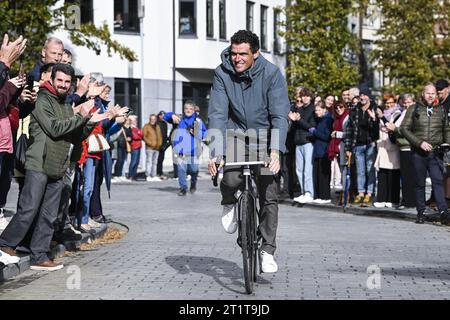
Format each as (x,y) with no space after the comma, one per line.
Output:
(46,68)
(67,52)
(246,36)
(306,92)
(64,68)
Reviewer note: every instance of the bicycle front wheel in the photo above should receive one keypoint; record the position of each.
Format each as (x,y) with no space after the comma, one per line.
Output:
(247,231)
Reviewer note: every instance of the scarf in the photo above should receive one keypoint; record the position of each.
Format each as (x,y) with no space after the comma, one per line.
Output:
(333,148)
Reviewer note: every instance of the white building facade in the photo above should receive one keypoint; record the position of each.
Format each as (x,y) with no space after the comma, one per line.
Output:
(200,30)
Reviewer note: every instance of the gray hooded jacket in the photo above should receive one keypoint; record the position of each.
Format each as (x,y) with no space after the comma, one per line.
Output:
(256,99)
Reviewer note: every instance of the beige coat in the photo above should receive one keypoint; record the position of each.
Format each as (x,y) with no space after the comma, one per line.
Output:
(388,156)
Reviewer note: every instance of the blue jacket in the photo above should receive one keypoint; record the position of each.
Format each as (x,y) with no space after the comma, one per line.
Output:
(255,99)
(322,136)
(183,142)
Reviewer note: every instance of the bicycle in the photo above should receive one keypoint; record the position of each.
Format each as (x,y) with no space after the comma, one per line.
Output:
(247,220)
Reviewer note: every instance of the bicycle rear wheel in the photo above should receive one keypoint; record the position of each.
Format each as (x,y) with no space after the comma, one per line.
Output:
(247,232)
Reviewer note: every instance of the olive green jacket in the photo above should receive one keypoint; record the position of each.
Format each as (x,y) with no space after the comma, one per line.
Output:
(51,135)
(418,127)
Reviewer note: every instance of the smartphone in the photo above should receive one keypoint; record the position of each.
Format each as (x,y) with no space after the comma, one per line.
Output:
(21,71)
(30,82)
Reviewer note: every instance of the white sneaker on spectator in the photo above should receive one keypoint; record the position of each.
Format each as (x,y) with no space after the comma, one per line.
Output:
(299,198)
(379,204)
(325,201)
(157,179)
(268,263)
(149,179)
(7,258)
(3,222)
(229,218)
(388,204)
(94,224)
(307,198)
(317,200)
(74,230)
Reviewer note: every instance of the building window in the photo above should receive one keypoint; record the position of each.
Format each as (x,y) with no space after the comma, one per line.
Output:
(276,31)
(250,6)
(222,20)
(209,19)
(126,16)
(263,27)
(187,17)
(86,10)
(127,93)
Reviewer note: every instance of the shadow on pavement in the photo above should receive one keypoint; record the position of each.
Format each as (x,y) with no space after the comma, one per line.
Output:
(214,267)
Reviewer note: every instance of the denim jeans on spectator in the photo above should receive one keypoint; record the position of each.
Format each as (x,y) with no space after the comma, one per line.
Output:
(187,165)
(38,203)
(121,157)
(6,172)
(304,167)
(365,156)
(151,162)
(89,178)
(134,163)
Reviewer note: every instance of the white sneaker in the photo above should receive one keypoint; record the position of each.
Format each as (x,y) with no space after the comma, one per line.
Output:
(388,204)
(3,223)
(299,198)
(94,224)
(229,218)
(7,258)
(74,230)
(268,263)
(325,201)
(157,179)
(379,204)
(317,201)
(149,179)
(307,198)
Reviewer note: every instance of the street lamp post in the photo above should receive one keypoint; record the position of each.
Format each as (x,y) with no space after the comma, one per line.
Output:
(141,15)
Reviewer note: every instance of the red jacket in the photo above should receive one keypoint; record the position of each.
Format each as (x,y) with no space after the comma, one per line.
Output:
(138,135)
(98,129)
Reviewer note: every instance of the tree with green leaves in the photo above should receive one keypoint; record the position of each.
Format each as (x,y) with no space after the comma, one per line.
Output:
(317,38)
(36,20)
(413,45)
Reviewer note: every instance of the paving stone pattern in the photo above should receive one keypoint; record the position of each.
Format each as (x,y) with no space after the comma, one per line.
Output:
(177,249)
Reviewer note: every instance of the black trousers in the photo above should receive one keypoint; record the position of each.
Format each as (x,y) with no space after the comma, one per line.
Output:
(287,172)
(433,165)
(321,178)
(407,173)
(388,186)
(39,199)
(267,185)
(6,173)
(159,165)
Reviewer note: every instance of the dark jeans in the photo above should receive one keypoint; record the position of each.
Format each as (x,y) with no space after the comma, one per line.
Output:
(267,185)
(433,165)
(6,173)
(408,173)
(63,221)
(121,157)
(159,166)
(388,189)
(134,162)
(321,178)
(40,198)
(96,209)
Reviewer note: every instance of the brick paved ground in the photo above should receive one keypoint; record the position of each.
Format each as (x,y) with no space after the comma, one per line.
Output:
(176,249)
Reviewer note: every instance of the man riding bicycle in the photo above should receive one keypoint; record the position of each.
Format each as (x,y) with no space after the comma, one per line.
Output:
(249,92)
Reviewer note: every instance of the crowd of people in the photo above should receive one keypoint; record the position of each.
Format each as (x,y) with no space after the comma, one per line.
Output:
(390,148)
